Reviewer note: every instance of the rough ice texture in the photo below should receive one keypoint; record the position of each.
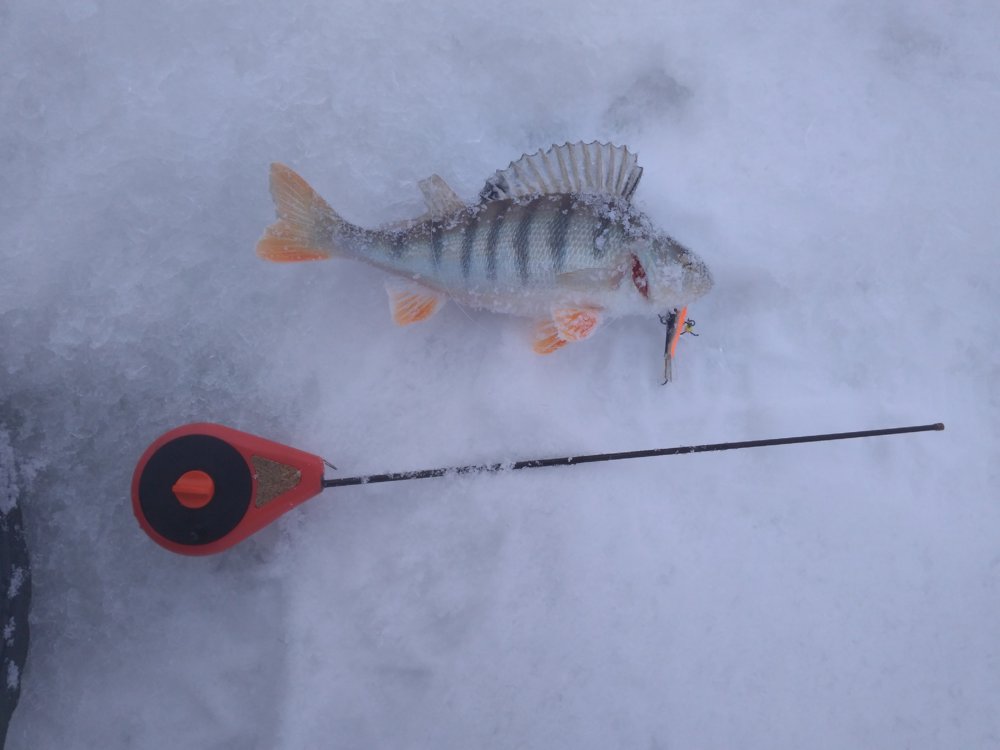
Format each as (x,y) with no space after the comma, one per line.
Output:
(834,163)
(8,475)
(15,579)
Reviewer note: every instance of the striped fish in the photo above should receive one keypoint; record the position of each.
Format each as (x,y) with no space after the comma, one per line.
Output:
(553,237)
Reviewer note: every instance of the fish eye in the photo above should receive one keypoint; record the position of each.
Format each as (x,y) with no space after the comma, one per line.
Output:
(678,252)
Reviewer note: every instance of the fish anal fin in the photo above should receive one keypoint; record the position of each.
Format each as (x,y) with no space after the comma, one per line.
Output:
(441,200)
(547,338)
(576,323)
(412,302)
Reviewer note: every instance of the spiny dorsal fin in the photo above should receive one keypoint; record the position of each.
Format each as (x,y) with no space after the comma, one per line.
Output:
(441,200)
(579,168)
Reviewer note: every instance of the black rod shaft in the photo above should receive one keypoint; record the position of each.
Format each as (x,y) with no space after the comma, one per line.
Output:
(537,463)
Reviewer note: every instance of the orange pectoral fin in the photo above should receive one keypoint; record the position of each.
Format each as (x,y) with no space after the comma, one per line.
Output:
(411,305)
(547,338)
(576,323)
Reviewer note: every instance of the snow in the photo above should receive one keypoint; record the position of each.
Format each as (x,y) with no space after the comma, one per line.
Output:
(16,581)
(834,163)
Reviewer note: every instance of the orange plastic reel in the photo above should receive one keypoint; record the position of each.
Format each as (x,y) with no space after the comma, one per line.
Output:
(201,488)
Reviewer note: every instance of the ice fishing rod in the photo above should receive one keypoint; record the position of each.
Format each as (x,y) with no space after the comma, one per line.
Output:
(202,488)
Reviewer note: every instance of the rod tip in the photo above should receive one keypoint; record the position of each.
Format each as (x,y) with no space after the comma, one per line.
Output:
(939,426)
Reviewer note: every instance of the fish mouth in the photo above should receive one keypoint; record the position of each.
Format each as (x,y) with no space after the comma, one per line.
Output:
(697,278)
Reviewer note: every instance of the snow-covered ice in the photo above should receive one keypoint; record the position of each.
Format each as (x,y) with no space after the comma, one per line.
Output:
(836,165)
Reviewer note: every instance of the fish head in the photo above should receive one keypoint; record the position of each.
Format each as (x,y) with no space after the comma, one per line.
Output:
(665,272)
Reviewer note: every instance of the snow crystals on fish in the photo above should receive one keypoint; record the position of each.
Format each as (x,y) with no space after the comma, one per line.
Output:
(554,237)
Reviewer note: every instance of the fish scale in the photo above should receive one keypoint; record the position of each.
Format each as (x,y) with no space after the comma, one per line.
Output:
(513,244)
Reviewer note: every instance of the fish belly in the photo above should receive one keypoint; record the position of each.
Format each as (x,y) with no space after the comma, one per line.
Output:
(510,256)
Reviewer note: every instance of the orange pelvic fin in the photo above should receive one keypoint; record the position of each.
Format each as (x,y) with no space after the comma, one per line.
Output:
(411,303)
(576,323)
(547,338)
(305,226)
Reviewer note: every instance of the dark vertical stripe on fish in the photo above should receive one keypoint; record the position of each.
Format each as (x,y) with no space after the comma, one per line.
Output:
(397,243)
(437,243)
(559,230)
(600,231)
(469,232)
(521,236)
(494,216)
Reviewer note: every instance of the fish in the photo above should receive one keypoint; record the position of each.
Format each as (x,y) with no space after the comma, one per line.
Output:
(554,237)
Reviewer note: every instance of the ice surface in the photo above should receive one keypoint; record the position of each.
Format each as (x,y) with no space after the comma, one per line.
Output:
(9,489)
(835,163)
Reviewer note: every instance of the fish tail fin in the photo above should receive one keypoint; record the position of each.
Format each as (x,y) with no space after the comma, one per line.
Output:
(306,228)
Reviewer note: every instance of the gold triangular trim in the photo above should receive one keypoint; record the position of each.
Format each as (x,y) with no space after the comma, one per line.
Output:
(273,479)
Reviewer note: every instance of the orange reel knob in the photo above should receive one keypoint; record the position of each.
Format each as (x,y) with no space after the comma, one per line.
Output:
(194,489)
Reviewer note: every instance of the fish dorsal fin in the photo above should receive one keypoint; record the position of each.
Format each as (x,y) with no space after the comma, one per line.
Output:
(579,168)
(441,200)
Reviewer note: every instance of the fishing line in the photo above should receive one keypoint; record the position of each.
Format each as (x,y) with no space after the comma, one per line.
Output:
(538,463)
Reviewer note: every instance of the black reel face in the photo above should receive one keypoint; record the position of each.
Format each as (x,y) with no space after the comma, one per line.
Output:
(227,504)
